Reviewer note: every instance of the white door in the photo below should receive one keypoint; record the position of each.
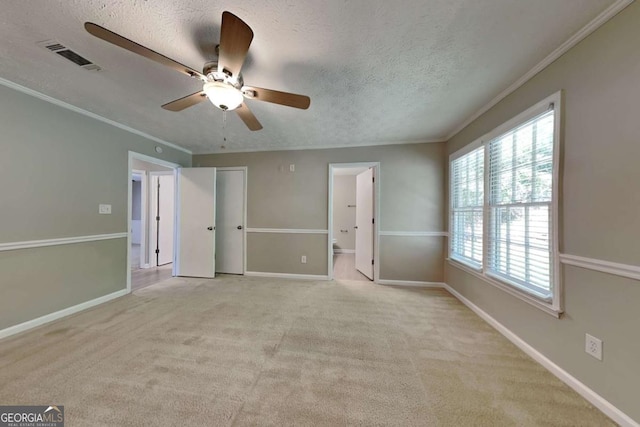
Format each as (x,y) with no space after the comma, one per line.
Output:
(196,222)
(230,221)
(364,223)
(165,207)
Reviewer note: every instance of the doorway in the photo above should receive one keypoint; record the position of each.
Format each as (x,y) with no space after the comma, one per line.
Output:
(150,241)
(353,221)
(161,235)
(138,217)
(231,202)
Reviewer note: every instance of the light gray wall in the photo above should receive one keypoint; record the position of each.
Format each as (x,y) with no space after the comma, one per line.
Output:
(56,166)
(601,205)
(136,200)
(411,199)
(141,165)
(344,217)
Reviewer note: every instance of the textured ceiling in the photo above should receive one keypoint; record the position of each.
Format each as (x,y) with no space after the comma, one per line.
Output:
(377,72)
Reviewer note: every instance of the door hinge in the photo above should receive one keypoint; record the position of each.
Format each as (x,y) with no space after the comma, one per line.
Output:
(373,179)
(371,262)
(157,218)
(157,251)
(373,220)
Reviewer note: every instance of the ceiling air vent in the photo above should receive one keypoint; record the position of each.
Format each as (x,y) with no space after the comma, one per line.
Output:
(60,49)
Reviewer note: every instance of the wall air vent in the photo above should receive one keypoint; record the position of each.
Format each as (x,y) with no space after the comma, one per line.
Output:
(63,51)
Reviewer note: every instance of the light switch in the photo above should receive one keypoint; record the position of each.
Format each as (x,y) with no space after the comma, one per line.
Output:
(104,209)
(292,168)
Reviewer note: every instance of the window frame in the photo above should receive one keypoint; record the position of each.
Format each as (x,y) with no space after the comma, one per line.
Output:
(458,154)
(554,304)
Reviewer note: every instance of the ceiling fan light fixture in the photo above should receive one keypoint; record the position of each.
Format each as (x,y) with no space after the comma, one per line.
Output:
(223,95)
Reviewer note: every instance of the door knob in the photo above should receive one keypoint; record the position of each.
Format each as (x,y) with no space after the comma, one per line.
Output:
(356,227)
(239,227)
(210,228)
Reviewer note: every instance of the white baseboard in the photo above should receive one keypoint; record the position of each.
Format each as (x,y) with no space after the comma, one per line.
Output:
(30,324)
(286,275)
(595,399)
(344,251)
(411,283)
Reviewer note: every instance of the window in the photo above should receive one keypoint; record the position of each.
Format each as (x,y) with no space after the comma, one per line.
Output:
(504,208)
(467,190)
(520,197)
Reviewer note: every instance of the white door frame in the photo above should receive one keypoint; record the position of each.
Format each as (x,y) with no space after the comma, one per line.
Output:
(244,169)
(143,214)
(133,155)
(151,251)
(376,210)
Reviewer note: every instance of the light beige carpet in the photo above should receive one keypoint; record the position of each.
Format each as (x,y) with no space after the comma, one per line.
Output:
(250,351)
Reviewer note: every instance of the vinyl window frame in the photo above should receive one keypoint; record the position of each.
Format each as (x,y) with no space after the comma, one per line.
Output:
(554,304)
(469,263)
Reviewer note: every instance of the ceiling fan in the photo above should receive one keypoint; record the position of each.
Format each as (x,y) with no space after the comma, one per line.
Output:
(222,80)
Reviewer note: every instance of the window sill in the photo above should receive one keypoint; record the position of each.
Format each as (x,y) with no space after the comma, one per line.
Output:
(529,299)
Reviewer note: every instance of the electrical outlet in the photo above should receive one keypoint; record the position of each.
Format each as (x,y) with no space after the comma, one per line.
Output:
(593,346)
(104,209)
(303,259)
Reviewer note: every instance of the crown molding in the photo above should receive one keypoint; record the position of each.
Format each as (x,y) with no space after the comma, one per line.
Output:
(47,98)
(324,147)
(596,23)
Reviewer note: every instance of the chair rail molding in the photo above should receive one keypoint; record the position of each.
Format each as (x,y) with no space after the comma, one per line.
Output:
(615,268)
(12,246)
(287,230)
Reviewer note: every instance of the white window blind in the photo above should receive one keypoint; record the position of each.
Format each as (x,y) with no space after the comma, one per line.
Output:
(467,193)
(520,182)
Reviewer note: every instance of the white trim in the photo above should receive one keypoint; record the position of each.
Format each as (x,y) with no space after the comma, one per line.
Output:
(245,170)
(344,251)
(326,147)
(617,269)
(511,290)
(12,246)
(287,230)
(30,324)
(286,275)
(376,214)
(595,399)
(47,98)
(415,233)
(410,283)
(596,23)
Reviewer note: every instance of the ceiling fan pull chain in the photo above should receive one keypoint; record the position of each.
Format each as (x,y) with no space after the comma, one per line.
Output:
(224,126)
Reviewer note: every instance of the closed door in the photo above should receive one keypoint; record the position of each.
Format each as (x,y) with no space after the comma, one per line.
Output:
(364,223)
(196,222)
(230,221)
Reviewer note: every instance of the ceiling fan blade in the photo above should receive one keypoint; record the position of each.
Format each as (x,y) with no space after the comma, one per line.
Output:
(248,118)
(235,39)
(277,97)
(185,102)
(118,40)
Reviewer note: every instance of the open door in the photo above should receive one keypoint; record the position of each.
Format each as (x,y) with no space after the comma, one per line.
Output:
(196,232)
(162,218)
(364,223)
